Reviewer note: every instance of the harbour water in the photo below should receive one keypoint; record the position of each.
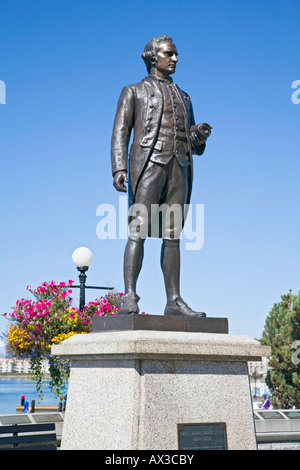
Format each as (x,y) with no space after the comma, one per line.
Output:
(11,390)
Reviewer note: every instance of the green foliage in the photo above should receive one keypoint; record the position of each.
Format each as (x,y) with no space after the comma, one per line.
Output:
(281,333)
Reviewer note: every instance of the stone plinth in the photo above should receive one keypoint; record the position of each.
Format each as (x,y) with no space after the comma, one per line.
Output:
(129,390)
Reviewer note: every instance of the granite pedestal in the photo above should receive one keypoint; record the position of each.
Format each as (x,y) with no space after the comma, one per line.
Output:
(134,389)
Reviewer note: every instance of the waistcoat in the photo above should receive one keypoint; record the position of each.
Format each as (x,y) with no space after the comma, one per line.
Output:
(172,140)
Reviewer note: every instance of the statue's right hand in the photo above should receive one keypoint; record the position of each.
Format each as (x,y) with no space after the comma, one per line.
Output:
(120,177)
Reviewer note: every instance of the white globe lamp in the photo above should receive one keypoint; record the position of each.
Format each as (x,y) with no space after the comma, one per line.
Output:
(82,257)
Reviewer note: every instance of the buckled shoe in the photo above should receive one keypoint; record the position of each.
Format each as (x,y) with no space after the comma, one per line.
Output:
(129,303)
(179,307)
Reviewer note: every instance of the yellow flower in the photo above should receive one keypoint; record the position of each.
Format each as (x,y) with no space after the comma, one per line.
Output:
(61,337)
(18,338)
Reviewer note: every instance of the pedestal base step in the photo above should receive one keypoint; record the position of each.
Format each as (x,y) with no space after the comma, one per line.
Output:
(132,321)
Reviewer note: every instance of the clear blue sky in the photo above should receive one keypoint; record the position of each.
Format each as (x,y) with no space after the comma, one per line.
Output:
(64,64)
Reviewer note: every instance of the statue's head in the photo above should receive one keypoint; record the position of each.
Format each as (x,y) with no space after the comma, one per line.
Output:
(154,46)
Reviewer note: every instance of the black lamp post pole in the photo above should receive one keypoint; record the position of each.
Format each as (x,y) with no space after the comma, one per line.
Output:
(255,381)
(82,286)
(82,279)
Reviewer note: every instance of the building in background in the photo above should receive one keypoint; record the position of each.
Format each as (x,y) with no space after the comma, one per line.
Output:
(19,366)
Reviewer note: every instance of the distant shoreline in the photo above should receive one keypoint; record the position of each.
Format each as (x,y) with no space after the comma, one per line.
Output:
(21,375)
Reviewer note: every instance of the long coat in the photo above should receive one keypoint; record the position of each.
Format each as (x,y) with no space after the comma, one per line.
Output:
(140,108)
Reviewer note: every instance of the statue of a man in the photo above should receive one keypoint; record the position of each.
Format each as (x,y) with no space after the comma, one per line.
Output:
(160,171)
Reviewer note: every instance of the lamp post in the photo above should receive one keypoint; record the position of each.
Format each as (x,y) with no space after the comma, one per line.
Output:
(255,377)
(82,258)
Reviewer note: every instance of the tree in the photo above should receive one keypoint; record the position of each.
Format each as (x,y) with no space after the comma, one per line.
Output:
(282,334)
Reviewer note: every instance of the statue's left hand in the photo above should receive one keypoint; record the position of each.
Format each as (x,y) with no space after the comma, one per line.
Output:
(200,133)
(204,129)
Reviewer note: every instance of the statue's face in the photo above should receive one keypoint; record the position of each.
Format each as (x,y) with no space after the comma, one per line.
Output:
(166,58)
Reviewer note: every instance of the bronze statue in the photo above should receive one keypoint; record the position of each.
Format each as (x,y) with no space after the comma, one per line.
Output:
(160,170)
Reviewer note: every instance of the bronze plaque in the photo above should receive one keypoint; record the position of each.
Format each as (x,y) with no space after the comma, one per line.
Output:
(207,436)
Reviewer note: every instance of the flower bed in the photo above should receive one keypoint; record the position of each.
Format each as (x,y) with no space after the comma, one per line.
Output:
(49,319)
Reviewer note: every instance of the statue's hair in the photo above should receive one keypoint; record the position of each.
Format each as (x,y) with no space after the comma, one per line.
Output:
(151,49)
